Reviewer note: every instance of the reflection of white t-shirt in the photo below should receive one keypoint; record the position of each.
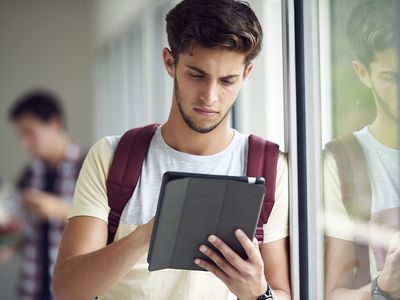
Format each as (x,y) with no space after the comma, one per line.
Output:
(90,199)
(383,167)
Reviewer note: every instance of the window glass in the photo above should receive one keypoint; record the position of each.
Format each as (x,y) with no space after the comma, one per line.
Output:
(361,158)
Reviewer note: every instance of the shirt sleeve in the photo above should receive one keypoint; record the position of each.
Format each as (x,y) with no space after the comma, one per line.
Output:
(277,226)
(90,197)
(337,222)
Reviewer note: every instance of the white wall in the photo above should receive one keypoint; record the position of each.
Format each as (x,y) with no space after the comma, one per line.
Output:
(260,105)
(110,17)
(43,43)
(132,87)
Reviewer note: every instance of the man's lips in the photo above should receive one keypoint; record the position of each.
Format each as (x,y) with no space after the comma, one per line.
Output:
(205,111)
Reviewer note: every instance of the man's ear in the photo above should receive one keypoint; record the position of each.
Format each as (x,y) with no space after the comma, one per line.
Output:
(362,73)
(169,62)
(247,70)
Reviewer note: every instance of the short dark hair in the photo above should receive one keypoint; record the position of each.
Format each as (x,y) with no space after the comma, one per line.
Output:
(372,28)
(41,104)
(227,24)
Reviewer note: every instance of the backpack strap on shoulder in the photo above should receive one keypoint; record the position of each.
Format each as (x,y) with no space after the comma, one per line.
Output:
(353,175)
(356,193)
(125,171)
(262,160)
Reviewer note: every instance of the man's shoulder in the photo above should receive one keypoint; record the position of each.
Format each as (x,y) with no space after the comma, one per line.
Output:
(25,175)
(102,152)
(348,144)
(106,143)
(111,140)
(104,149)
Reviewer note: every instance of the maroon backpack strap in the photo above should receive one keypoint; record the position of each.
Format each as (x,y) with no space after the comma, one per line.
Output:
(125,172)
(356,194)
(262,160)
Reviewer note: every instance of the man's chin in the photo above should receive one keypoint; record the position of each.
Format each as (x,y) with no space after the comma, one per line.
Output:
(202,128)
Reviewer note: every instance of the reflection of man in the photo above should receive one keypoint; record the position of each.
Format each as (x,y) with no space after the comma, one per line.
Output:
(47,186)
(213,44)
(351,243)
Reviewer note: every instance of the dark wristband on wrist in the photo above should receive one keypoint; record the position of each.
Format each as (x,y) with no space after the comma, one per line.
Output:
(377,293)
(267,295)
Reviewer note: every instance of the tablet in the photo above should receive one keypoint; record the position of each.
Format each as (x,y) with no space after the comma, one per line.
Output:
(193,206)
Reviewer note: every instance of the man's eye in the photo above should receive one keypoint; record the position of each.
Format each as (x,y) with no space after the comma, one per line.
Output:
(391,78)
(227,82)
(197,76)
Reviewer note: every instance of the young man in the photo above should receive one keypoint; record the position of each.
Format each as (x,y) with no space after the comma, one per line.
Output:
(46,185)
(373,30)
(212,45)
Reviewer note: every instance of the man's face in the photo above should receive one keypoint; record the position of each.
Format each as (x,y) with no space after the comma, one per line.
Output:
(384,78)
(206,84)
(37,136)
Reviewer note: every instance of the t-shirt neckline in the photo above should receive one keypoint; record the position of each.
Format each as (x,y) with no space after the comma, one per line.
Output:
(197,158)
(378,145)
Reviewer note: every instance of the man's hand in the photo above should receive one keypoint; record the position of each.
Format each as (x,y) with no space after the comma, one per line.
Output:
(146,229)
(92,267)
(389,280)
(44,205)
(245,278)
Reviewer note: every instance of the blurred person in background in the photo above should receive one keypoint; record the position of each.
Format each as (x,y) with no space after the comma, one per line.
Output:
(362,170)
(46,187)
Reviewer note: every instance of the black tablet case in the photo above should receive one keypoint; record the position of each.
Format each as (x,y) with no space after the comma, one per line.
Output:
(193,206)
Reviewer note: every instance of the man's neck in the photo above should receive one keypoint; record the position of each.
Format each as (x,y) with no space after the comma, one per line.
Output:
(386,131)
(59,150)
(180,137)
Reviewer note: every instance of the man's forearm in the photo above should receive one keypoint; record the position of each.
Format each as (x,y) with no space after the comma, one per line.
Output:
(281,295)
(363,293)
(92,274)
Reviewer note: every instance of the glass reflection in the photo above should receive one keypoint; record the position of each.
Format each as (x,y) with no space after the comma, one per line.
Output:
(361,165)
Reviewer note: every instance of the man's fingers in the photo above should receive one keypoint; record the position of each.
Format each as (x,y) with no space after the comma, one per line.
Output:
(30,197)
(33,203)
(220,261)
(255,243)
(251,248)
(213,269)
(231,256)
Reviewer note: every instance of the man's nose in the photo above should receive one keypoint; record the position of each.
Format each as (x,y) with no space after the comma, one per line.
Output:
(210,93)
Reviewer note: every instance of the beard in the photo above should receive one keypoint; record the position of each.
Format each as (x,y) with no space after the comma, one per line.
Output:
(384,106)
(188,120)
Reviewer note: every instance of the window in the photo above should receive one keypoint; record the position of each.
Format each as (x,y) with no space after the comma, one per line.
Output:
(349,146)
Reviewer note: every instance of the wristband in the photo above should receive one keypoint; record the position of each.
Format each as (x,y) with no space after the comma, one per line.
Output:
(267,295)
(377,293)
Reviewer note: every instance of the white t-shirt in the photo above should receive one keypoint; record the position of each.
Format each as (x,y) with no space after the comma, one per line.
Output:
(383,165)
(384,172)
(90,199)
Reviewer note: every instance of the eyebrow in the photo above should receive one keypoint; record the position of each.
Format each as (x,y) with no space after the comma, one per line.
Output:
(193,68)
(389,72)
